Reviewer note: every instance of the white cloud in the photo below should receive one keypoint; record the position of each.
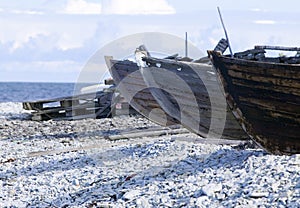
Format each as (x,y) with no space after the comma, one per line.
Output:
(68,41)
(258,10)
(21,40)
(82,7)
(265,22)
(137,7)
(46,33)
(30,12)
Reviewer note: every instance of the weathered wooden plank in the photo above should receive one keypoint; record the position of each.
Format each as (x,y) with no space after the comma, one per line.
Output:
(272,115)
(222,45)
(273,124)
(188,99)
(69,114)
(70,107)
(62,101)
(120,70)
(281,48)
(210,141)
(266,69)
(247,91)
(264,79)
(272,105)
(123,135)
(266,88)
(249,54)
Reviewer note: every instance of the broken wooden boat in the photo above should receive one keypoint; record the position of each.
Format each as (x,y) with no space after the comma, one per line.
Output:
(264,95)
(131,85)
(190,93)
(81,106)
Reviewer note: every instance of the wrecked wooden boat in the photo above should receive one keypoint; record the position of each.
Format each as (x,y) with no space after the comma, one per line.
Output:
(264,95)
(81,106)
(189,92)
(131,85)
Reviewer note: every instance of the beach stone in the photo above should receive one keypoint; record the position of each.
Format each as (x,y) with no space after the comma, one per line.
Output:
(258,194)
(143,202)
(220,196)
(202,201)
(275,186)
(76,182)
(211,189)
(131,194)
(135,172)
(198,193)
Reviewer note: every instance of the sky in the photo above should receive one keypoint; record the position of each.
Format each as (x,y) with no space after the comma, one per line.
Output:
(54,40)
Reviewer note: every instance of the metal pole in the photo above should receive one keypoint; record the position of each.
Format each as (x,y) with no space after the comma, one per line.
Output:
(186,45)
(225,32)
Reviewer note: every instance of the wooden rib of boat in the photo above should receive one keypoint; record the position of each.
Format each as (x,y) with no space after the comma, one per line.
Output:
(131,85)
(264,95)
(190,93)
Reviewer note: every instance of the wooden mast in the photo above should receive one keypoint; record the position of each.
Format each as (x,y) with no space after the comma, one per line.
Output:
(225,32)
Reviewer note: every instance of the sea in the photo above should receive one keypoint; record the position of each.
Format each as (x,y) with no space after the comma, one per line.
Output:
(32,91)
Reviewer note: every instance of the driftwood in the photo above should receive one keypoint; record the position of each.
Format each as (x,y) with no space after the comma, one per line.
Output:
(149,135)
(123,135)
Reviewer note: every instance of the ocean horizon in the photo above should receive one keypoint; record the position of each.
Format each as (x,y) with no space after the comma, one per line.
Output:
(31,91)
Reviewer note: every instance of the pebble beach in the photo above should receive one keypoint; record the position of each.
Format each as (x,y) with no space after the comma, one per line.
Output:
(86,163)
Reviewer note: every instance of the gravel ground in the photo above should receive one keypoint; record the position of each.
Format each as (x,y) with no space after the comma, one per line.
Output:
(73,164)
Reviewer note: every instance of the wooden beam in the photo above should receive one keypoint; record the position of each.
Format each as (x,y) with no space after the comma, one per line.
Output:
(280,48)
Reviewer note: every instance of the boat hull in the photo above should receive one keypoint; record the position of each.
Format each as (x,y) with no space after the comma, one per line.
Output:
(265,99)
(131,85)
(190,93)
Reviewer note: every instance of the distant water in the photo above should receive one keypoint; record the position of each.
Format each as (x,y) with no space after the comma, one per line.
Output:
(28,91)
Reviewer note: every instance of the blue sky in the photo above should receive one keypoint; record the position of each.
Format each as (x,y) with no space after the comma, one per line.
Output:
(52,40)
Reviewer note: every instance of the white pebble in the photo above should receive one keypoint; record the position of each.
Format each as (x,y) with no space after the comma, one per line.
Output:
(131,194)
(211,189)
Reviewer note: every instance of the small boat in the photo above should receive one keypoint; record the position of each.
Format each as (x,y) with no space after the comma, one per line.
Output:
(264,95)
(190,92)
(131,85)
